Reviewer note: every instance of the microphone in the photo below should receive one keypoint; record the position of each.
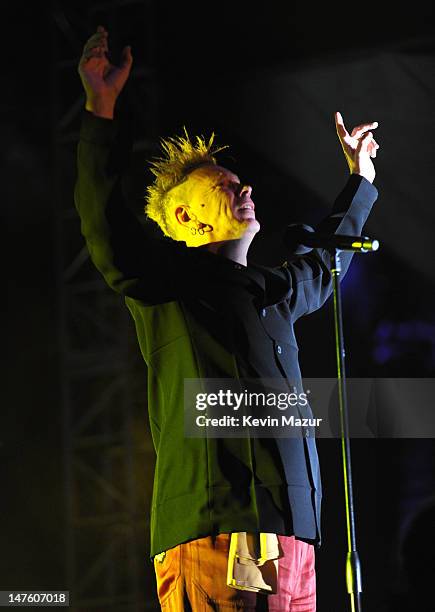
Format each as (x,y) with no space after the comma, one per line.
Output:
(300,239)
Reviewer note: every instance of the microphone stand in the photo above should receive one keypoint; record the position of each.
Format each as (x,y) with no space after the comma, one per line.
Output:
(353,567)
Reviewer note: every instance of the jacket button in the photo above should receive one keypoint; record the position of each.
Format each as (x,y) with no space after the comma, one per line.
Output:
(278,349)
(263,312)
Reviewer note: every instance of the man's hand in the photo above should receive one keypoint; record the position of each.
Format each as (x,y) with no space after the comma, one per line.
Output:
(359,147)
(102,81)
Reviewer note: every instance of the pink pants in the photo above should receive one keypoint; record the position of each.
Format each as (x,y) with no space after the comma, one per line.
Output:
(192,577)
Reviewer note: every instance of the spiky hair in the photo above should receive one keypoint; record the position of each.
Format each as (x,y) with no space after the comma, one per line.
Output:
(181,156)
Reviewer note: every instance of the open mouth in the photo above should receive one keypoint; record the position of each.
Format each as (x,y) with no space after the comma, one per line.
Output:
(247,207)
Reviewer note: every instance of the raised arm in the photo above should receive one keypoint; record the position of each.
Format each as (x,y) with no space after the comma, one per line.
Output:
(131,262)
(310,276)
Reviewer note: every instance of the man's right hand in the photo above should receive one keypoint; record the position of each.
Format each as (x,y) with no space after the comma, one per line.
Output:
(103,82)
(359,147)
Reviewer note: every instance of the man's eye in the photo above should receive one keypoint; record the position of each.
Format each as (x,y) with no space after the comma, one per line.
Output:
(235,187)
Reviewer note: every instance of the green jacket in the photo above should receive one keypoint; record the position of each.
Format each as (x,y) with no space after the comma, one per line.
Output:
(199,315)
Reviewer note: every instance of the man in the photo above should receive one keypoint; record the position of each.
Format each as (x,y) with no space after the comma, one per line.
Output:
(202,312)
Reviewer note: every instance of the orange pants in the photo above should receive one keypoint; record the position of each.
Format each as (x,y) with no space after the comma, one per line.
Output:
(192,577)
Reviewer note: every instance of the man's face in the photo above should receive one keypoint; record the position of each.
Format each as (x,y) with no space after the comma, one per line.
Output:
(216,198)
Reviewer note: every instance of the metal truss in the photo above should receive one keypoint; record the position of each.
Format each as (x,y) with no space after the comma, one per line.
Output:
(108,456)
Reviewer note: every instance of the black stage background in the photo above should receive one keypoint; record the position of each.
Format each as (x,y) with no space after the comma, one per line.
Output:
(267,80)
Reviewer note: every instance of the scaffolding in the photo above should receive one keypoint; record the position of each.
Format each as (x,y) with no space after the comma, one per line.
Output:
(108,455)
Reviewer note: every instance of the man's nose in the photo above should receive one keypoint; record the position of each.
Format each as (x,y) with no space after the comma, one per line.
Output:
(246,189)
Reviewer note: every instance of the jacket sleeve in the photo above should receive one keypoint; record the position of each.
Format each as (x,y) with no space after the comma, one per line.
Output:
(131,262)
(309,276)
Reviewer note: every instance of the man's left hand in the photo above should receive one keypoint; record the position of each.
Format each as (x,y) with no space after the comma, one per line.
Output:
(359,147)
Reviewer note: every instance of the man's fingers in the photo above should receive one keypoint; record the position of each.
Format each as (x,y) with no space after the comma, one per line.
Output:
(364,142)
(338,117)
(339,123)
(127,58)
(373,148)
(359,130)
(96,45)
(94,60)
(98,36)
(97,39)
(98,52)
(343,134)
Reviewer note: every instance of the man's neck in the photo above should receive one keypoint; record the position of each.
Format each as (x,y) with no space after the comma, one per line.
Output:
(236,250)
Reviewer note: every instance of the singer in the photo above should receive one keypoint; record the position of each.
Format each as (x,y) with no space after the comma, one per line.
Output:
(202,310)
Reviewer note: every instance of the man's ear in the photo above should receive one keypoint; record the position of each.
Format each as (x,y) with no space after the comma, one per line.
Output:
(182,214)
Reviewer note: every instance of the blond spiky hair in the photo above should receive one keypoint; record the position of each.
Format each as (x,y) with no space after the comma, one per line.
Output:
(181,156)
